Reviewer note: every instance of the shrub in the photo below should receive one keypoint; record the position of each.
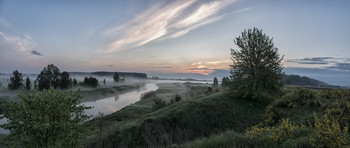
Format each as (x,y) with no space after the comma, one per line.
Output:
(329,133)
(50,118)
(158,104)
(282,134)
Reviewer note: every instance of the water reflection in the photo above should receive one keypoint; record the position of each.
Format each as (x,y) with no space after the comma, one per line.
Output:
(113,104)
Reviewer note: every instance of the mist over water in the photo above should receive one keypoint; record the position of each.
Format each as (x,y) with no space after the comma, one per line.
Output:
(113,104)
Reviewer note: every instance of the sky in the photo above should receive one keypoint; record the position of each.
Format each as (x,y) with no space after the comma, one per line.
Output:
(170,36)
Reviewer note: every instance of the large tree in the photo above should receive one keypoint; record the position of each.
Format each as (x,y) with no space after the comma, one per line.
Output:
(49,76)
(116,77)
(225,82)
(257,69)
(50,118)
(28,84)
(16,81)
(65,80)
(215,83)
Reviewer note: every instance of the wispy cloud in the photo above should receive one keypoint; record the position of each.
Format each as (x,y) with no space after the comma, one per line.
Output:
(21,43)
(10,38)
(162,67)
(36,53)
(334,63)
(165,21)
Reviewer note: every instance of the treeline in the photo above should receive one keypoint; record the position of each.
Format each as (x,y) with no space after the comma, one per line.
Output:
(121,74)
(51,76)
(302,80)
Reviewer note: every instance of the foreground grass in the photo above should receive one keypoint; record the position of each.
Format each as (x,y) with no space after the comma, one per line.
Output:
(178,123)
(304,118)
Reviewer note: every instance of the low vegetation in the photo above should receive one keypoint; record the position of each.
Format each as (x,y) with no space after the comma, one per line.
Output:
(50,118)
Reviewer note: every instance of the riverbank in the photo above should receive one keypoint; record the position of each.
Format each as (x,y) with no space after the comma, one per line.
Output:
(125,118)
(98,93)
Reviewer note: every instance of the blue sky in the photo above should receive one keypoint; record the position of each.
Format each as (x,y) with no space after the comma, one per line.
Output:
(189,36)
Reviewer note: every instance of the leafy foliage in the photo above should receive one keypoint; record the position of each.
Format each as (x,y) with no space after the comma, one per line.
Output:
(283,134)
(116,77)
(257,68)
(329,133)
(49,76)
(215,83)
(50,118)
(159,103)
(225,82)
(75,82)
(65,80)
(16,81)
(91,81)
(28,84)
(177,98)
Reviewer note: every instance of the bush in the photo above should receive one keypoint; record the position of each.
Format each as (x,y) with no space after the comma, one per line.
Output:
(329,133)
(158,104)
(276,109)
(282,134)
(177,98)
(50,118)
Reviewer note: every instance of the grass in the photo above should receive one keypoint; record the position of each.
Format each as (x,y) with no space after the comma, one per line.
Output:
(180,122)
(303,118)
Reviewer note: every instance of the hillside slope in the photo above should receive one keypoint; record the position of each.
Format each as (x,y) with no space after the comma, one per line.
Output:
(187,120)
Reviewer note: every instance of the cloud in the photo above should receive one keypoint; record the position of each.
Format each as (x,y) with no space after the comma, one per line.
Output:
(163,67)
(110,65)
(313,60)
(341,66)
(21,43)
(333,63)
(166,21)
(36,53)
(202,69)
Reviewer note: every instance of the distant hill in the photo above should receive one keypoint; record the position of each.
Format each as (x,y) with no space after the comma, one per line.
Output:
(107,73)
(302,80)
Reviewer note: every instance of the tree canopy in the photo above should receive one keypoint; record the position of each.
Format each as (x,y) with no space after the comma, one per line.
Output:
(225,82)
(50,118)
(215,82)
(65,80)
(49,76)
(116,77)
(90,81)
(16,81)
(28,84)
(257,68)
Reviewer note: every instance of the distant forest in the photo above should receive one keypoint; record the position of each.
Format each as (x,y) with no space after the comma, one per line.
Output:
(121,74)
(302,80)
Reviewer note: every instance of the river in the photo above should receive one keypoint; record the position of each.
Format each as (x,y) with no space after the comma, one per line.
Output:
(112,104)
(109,105)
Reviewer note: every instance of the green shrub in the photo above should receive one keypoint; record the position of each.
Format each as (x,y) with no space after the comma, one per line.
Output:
(329,133)
(158,104)
(50,118)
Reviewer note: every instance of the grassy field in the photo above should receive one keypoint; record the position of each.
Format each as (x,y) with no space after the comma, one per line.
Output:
(303,118)
(122,119)
(200,114)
